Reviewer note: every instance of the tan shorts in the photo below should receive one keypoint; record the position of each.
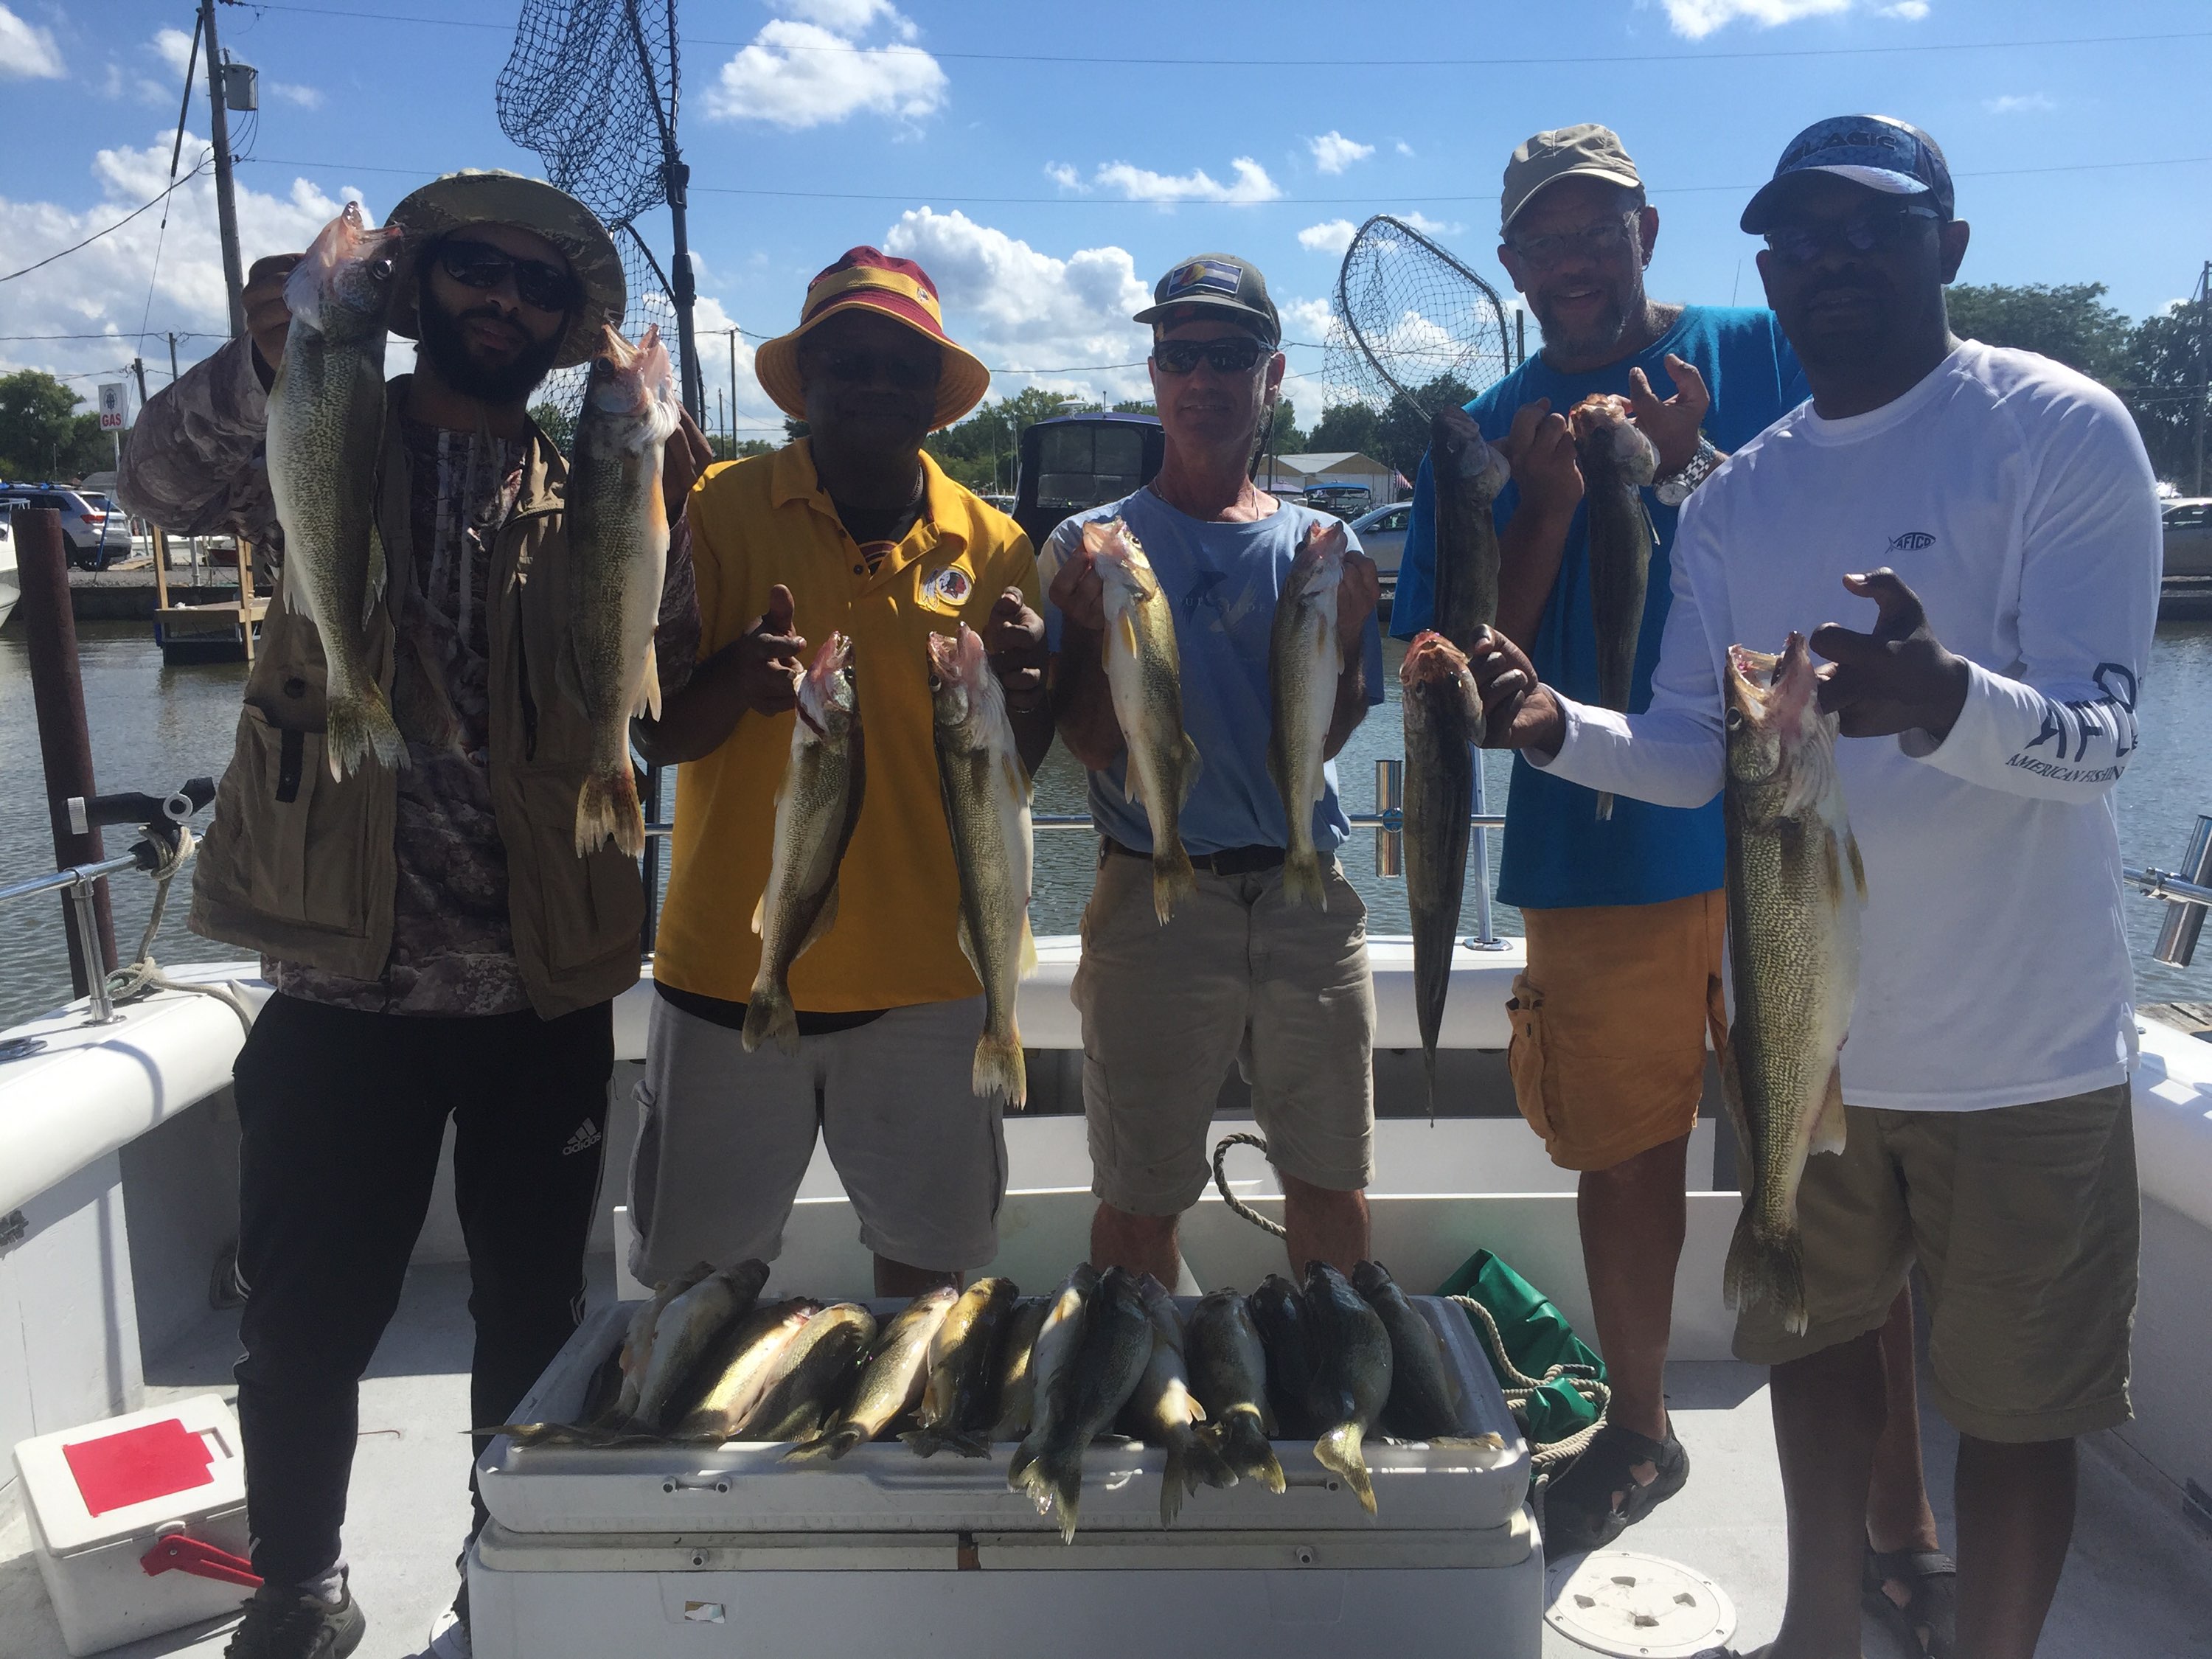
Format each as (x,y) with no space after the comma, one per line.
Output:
(2024,1219)
(1238,976)
(724,1137)
(1610,1023)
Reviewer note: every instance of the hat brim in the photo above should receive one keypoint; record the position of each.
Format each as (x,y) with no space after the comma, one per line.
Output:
(1267,329)
(965,383)
(1592,170)
(1758,212)
(494,198)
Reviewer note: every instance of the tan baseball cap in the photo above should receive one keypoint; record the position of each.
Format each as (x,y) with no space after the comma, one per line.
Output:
(1588,151)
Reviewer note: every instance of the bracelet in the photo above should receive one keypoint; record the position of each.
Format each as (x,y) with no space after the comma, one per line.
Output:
(1674,489)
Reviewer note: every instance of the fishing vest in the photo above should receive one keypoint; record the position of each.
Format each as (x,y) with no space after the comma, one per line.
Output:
(300,868)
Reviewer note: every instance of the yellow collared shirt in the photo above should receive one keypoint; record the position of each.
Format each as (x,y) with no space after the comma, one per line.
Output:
(755,523)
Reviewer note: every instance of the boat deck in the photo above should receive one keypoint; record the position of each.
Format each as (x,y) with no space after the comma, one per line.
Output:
(2139,1580)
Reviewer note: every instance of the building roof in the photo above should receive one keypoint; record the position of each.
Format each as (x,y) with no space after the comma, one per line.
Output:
(1339,460)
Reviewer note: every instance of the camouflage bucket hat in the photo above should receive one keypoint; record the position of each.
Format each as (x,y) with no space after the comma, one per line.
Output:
(473,197)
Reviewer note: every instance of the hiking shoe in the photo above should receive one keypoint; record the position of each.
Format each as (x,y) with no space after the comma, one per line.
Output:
(283,1624)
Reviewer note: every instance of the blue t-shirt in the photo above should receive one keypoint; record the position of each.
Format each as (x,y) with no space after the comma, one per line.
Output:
(1557,855)
(1222,580)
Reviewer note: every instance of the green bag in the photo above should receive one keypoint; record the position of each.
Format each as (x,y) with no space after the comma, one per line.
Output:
(1555,1385)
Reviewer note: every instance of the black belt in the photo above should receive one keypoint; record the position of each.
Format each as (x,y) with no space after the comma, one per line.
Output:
(1230,861)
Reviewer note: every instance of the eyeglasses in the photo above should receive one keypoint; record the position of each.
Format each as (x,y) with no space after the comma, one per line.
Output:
(1238,354)
(479,264)
(1596,241)
(1864,233)
(863,367)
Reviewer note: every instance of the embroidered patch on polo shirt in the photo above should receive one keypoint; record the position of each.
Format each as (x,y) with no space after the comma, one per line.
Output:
(946,592)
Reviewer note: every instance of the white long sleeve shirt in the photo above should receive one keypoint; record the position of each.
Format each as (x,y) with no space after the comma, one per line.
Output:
(2015,497)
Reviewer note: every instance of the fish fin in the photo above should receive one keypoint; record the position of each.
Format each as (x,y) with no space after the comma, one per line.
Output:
(1026,964)
(824,920)
(1605,807)
(926,1442)
(1133,782)
(355,728)
(760,912)
(770,1015)
(1193,765)
(1128,631)
(647,705)
(371,587)
(1858,868)
(1017,1466)
(1338,1451)
(607,810)
(1829,1128)
(1732,1098)
(968,1442)
(1175,1483)
(966,935)
(831,1443)
(1000,1069)
(1173,880)
(1302,882)
(1062,1482)
(1767,1270)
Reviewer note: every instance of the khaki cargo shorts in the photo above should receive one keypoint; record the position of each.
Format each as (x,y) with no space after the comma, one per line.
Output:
(2024,1219)
(1610,1023)
(1238,976)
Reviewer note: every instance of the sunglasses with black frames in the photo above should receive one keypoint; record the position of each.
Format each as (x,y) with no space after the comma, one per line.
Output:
(1236,354)
(479,264)
(1801,243)
(861,367)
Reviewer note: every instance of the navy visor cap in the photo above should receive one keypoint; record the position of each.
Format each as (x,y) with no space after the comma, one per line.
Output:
(1878,151)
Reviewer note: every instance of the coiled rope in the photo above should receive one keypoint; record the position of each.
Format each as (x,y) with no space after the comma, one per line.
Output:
(142,974)
(1221,1181)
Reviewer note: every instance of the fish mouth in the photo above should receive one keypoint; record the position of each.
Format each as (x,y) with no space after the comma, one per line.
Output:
(1774,689)
(1430,658)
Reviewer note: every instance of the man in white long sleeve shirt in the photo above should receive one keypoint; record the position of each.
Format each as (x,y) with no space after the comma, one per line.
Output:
(2004,509)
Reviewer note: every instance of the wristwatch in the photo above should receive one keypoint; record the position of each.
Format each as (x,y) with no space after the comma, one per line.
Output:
(1674,489)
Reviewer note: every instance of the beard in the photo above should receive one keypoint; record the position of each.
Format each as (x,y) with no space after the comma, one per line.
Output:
(1602,333)
(442,341)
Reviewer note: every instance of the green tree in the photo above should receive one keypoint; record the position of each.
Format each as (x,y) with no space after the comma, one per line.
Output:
(555,422)
(1345,428)
(1288,439)
(41,434)
(982,450)
(2163,388)
(2067,321)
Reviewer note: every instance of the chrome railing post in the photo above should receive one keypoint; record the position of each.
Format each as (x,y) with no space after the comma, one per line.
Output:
(84,916)
(1389,809)
(2176,935)
(1485,932)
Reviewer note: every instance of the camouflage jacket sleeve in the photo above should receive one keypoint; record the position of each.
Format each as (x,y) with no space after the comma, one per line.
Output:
(195,465)
(676,638)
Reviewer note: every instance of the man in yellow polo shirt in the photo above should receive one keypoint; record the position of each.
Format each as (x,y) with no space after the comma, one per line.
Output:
(852,530)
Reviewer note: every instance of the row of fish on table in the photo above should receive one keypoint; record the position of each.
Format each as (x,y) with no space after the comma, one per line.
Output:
(705,1362)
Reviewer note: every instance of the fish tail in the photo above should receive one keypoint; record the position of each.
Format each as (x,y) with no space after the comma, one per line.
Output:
(1019,1467)
(770,1015)
(926,1442)
(1429,1065)
(1205,1464)
(1000,1069)
(358,726)
(1766,1268)
(1057,1476)
(1176,1481)
(607,810)
(832,1445)
(968,1442)
(1173,879)
(1302,882)
(1604,807)
(1241,1446)
(1338,1451)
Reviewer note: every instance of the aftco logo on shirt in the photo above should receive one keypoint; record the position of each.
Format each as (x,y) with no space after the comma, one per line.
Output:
(1912,541)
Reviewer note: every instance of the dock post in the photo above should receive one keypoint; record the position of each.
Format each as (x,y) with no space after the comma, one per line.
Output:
(65,739)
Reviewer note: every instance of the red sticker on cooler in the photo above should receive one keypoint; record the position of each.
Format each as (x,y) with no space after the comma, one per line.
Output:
(139,1465)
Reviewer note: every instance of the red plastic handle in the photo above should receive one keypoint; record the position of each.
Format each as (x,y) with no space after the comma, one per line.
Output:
(182,1552)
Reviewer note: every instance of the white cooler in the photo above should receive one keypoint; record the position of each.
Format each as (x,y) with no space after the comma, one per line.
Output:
(728,1551)
(138,1523)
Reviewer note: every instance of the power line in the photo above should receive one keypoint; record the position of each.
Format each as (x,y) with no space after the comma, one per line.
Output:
(111,230)
(181,333)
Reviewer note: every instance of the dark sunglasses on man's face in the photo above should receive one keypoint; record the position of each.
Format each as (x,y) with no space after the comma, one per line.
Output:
(862,368)
(1862,232)
(479,264)
(1239,354)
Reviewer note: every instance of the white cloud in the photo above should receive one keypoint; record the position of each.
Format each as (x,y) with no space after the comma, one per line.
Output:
(1696,19)
(1909,11)
(1333,152)
(1250,184)
(797,75)
(851,18)
(1404,148)
(1330,236)
(1029,312)
(28,52)
(2020,103)
(173,48)
(1065,176)
(1429,227)
(292,93)
(1307,319)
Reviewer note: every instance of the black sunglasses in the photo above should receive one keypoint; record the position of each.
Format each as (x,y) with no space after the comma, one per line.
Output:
(1864,233)
(479,264)
(1238,354)
(861,367)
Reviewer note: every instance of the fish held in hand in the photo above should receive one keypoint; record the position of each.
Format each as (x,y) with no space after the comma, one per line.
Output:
(890,1381)
(1305,660)
(817,805)
(1443,725)
(1616,461)
(1017,1378)
(741,1368)
(1424,1401)
(1353,1376)
(325,433)
(812,1376)
(1796,887)
(956,1399)
(618,537)
(1144,677)
(1228,1371)
(1467,472)
(986,808)
(1164,1412)
(1086,1393)
(1287,1338)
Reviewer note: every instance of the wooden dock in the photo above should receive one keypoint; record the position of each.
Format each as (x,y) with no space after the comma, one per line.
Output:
(220,630)
(2194,1017)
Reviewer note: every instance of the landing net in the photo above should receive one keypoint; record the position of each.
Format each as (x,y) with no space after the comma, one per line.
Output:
(1412,322)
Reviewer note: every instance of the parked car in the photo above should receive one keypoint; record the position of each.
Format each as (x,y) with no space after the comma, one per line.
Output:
(2189,537)
(97,534)
(1382,536)
(1345,501)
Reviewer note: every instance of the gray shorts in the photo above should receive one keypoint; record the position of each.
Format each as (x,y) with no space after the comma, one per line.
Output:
(724,1138)
(1238,976)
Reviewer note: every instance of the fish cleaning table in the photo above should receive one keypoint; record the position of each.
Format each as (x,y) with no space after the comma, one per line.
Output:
(728,1551)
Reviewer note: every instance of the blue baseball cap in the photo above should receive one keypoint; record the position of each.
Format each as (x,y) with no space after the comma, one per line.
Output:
(1878,151)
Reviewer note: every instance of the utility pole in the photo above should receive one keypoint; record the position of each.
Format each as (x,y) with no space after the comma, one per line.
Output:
(172,357)
(226,201)
(2203,365)
(733,390)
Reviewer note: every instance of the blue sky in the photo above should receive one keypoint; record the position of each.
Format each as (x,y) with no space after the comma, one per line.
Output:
(999,143)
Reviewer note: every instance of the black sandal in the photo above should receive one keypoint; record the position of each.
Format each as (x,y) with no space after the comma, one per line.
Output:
(1579,1512)
(1933,1579)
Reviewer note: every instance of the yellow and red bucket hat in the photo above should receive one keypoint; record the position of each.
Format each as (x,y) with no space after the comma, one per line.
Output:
(900,289)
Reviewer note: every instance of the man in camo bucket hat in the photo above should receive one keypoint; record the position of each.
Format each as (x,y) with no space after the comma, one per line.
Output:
(438,950)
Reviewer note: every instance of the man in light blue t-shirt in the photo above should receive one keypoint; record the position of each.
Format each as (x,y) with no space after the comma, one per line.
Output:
(1237,975)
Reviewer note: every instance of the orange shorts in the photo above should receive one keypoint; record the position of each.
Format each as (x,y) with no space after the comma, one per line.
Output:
(1610,1023)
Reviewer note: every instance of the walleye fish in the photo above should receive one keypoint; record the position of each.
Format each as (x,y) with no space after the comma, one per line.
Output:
(1144,673)
(326,432)
(1288,1339)
(1424,1402)
(1352,1379)
(956,1400)
(812,1376)
(1087,1392)
(1794,889)
(1162,1411)
(637,1345)
(1305,660)
(816,806)
(1229,1374)
(618,527)
(1468,472)
(744,1365)
(1057,1339)
(1617,461)
(987,806)
(890,1382)
(1444,725)
(686,1332)
(1017,1380)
